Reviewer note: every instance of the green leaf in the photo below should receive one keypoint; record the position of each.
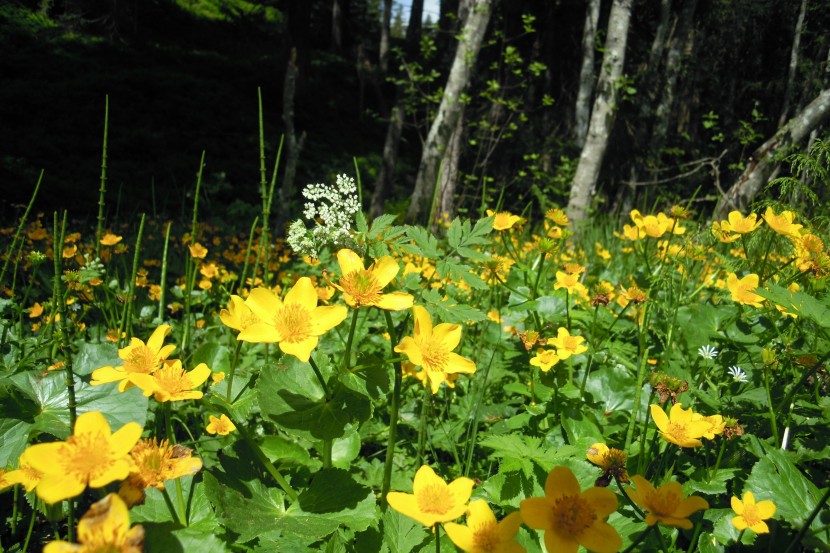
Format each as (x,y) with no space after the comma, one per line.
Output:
(402,534)
(799,303)
(91,356)
(285,452)
(291,397)
(701,481)
(14,436)
(216,356)
(775,477)
(52,399)
(345,449)
(425,242)
(155,508)
(335,494)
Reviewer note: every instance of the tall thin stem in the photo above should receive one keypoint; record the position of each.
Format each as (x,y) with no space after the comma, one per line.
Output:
(99,229)
(394,408)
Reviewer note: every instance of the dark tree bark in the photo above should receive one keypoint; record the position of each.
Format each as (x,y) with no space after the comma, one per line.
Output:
(791,70)
(763,161)
(386,23)
(582,111)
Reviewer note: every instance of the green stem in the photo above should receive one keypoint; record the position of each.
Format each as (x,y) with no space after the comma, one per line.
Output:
(809,521)
(394,409)
(263,459)
(695,536)
(126,317)
(773,423)
(244,273)
(319,378)
(628,499)
(99,229)
(640,538)
(163,278)
(637,392)
(347,357)
(20,226)
(70,520)
(327,447)
(31,525)
(233,369)
(176,514)
(422,430)
(740,535)
(662,540)
(436,529)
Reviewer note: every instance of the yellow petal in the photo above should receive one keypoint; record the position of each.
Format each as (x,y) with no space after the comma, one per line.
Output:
(558,543)
(536,513)
(458,364)
(301,350)
(407,505)
(93,422)
(561,482)
(62,547)
(760,527)
(385,270)
(303,293)
(326,317)
(119,470)
(766,509)
(199,374)
(739,523)
(395,301)
(57,487)
(460,535)
(349,261)
(423,322)
(424,478)
(689,505)
(603,500)
(105,375)
(410,348)
(737,505)
(157,338)
(123,440)
(660,418)
(263,303)
(461,489)
(259,333)
(448,334)
(601,538)
(479,513)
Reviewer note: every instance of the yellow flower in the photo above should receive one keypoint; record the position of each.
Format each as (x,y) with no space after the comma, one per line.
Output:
(494,316)
(558,217)
(216,378)
(222,426)
(545,359)
(110,239)
(104,528)
(362,287)
(173,383)
(680,426)
(431,348)
(503,220)
(197,251)
(721,232)
(93,456)
(432,500)
(571,517)
(715,422)
(238,315)
(483,534)
(296,322)
(741,289)
(152,464)
(139,359)
(567,345)
(740,224)
(35,311)
(665,504)
(25,474)
(782,223)
(752,515)
(570,282)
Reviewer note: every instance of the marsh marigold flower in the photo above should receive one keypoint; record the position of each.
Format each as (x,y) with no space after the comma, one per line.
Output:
(570,282)
(197,251)
(238,315)
(25,474)
(153,463)
(545,359)
(665,504)
(432,349)
(173,383)
(139,359)
(363,287)
(93,456)
(742,289)
(680,427)
(295,322)
(432,500)
(104,528)
(782,223)
(567,345)
(742,225)
(503,220)
(222,425)
(110,239)
(483,534)
(571,517)
(610,460)
(751,514)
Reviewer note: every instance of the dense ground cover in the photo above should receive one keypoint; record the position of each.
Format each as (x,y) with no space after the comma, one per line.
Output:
(657,385)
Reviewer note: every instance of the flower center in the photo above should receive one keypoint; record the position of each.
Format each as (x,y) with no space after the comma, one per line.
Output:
(751,515)
(173,379)
(677,431)
(293,322)
(86,455)
(435,356)
(141,359)
(362,286)
(572,515)
(486,538)
(435,499)
(662,504)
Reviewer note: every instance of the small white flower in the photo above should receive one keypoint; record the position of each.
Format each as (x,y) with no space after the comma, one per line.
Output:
(737,373)
(707,352)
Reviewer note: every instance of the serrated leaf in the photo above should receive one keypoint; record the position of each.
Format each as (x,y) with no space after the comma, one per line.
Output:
(518,453)
(425,241)
(402,534)
(714,484)
(799,303)
(91,356)
(216,356)
(775,477)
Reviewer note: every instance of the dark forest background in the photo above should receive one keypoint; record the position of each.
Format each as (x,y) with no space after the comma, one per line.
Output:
(705,83)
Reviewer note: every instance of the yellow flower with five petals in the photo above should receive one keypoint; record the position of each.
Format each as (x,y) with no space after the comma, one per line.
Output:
(432,500)
(751,514)
(665,504)
(363,287)
(483,533)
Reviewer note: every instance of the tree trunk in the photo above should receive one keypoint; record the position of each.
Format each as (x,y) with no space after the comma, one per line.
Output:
(603,113)
(764,160)
(448,179)
(396,118)
(386,23)
(674,65)
(788,92)
(450,108)
(293,145)
(582,111)
(336,26)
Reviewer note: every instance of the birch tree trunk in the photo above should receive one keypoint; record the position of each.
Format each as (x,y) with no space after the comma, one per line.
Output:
(293,145)
(448,178)
(450,108)
(582,112)
(603,113)
(386,23)
(764,160)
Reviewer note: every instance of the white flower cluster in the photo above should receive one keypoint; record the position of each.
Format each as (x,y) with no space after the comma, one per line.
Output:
(332,209)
